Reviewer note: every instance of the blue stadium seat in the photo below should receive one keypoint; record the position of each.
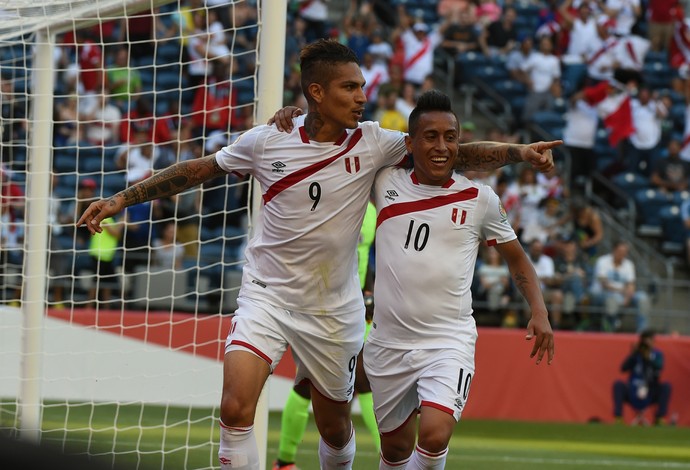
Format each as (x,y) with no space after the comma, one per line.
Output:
(113,183)
(467,63)
(672,230)
(551,121)
(649,203)
(630,182)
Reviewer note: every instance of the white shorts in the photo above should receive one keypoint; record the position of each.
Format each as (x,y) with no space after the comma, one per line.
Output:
(325,347)
(404,380)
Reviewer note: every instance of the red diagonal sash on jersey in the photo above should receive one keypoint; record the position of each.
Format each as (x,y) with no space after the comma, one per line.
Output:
(294,178)
(601,51)
(422,50)
(402,208)
(375,82)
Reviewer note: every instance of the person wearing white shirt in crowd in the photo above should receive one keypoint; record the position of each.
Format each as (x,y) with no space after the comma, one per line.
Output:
(546,272)
(419,42)
(102,120)
(166,254)
(625,12)
(375,75)
(648,112)
(381,50)
(600,52)
(614,288)
(582,30)
(543,70)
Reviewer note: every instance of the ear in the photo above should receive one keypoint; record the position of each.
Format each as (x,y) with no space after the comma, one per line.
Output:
(316,92)
(408,143)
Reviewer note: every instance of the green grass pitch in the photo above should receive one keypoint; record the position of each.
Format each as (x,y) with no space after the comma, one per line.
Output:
(136,439)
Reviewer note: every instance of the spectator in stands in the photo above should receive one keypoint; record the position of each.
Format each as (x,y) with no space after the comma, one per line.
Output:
(572,278)
(11,234)
(487,12)
(493,278)
(467,132)
(685,217)
(614,288)
(375,74)
(643,387)
(101,121)
(600,52)
(460,36)
(518,56)
(587,228)
(123,81)
(581,25)
(137,237)
(102,250)
(380,49)
(138,157)
(648,112)
(60,257)
(579,136)
(90,61)
(214,103)
(13,108)
(419,42)
(660,24)
(387,113)
(529,195)
(166,253)
(66,122)
(625,13)
(548,226)
(543,70)
(139,118)
(500,36)
(672,173)
(138,30)
(407,99)
(315,14)
(545,269)
(86,194)
(201,51)
(357,28)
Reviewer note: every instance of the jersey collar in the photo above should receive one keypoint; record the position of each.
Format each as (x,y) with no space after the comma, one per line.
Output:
(305,138)
(414,179)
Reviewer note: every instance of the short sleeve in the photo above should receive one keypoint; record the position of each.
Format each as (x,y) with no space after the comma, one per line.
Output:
(391,144)
(496,228)
(242,155)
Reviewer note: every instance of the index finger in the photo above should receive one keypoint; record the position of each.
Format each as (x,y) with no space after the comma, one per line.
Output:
(543,146)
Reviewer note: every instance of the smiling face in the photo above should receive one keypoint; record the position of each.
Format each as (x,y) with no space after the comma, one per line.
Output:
(340,101)
(434,147)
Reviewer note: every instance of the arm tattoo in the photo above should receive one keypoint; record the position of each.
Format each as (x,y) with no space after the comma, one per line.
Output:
(486,155)
(313,123)
(172,180)
(521,282)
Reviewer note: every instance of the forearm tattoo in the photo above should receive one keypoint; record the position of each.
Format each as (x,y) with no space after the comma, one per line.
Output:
(521,282)
(172,180)
(313,123)
(486,155)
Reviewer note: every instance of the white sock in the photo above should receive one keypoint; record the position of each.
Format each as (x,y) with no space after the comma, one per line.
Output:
(337,459)
(238,449)
(424,460)
(386,465)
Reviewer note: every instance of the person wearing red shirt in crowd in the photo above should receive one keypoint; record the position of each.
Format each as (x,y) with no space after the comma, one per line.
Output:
(213,104)
(661,16)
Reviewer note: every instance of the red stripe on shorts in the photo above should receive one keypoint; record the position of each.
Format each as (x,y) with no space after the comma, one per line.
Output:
(431,404)
(253,349)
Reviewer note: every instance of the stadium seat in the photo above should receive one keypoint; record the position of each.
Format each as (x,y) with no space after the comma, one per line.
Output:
(630,182)
(467,63)
(672,230)
(113,182)
(649,203)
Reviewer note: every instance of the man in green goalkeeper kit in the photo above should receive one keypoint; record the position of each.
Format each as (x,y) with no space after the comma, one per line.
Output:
(296,409)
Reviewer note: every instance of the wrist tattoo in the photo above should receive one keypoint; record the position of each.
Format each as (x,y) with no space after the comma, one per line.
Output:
(486,156)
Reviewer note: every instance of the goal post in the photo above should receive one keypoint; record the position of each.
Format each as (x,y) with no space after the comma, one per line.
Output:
(89,373)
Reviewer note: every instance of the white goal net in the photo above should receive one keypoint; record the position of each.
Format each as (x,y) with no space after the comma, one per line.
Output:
(111,346)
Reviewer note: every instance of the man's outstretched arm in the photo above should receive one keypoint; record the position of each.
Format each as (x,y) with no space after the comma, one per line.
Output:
(485,156)
(170,181)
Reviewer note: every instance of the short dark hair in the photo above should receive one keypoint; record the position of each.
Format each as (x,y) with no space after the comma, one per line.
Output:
(317,60)
(429,101)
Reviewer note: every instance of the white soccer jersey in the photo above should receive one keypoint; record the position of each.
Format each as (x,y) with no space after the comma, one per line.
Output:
(427,240)
(304,256)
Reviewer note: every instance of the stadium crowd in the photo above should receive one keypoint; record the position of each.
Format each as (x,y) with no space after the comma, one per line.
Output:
(134,96)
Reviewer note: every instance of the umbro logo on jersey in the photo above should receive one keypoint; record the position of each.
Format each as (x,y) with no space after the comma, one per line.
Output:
(352,164)
(278,167)
(391,194)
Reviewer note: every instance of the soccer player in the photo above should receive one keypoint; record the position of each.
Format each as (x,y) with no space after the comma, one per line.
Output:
(296,410)
(419,357)
(300,285)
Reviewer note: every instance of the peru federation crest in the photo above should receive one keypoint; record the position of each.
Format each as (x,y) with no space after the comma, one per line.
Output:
(352,164)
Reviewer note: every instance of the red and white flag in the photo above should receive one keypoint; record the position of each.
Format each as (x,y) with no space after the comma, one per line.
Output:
(614,109)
